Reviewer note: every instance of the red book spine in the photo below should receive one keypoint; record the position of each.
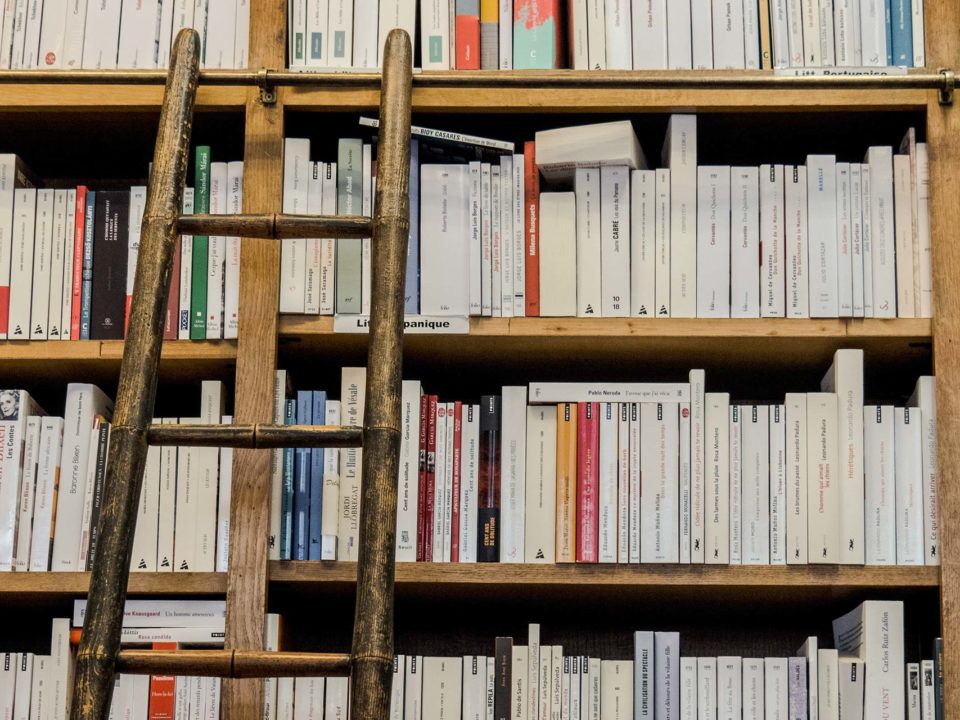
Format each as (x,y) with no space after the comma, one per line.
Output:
(455,521)
(173,299)
(431,478)
(588,442)
(531,223)
(77,279)
(422,480)
(163,690)
(468,42)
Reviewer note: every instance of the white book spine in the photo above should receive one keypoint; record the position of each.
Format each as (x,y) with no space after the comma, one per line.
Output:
(796,478)
(778,484)
(684,499)
(231,278)
(615,241)
(212,402)
(623,484)
(701,32)
(772,256)
(331,490)
(241,34)
(880,537)
(144,555)
(744,242)
(51,438)
(447,512)
(138,28)
(662,244)
(925,398)
(843,32)
(66,301)
(822,227)
(650,35)
(680,155)
(21,269)
(706,688)
(18,31)
(102,35)
(328,246)
(728,35)
(867,238)
(317,30)
(311,301)
(596,34)
(688,688)
(736,476)
(7,12)
(795,27)
(434,35)
(642,248)
(823,492)
(812,50)
(919,54)
(296,162)
(486,239)
(856,235)
(166,506)
(216,265)
(780,33)
(558,267)
(753,687)
(469,483)
(828,684)
(729,687)
(407,476)
(496,242)
(908,427)
(541,486)
(224,498)
(679,41)
(61,209)
(26,496)
(873,32)
(903,233)
(922,180)
(698,465)
(588,213)
(751,36)
(713,241)
(366,258)
(340,34)
(52,32)
(634,485)
(474,264)
(717,511)
(519,238)
(506,235)
(512,473)
(607,467)
(39,304)
(928,692)
(755,484)
(366,14)
(352,399)
(444,225)
(401,15)
(31,45)
(882,234)
(826,28)
(795,225)
(185,534)
(619,40)
(660,445)
(776,693)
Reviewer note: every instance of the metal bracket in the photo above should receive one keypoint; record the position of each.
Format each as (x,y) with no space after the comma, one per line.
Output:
(949,83)
(268,91)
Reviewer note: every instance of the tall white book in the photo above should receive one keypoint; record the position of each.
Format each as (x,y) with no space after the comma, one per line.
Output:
(752,693)
(856,235)
(679,41)
(330,521)
(659,468)
(615,240)
(680,156)
(797,245)
(844,241)
(717,466)
(407,477)
(924,398)
(925,308)
(772,254)
(596,34)
(778,484)
(728,35)
(873,32)
(541,487)
(667,673)
(61,210)
(212,408)
(38,298)
(616,689)
(401,15)
(650,36)
(661,242)
(83,403)
(21,267)
(366,15)
(340,34)
(903,236)
(48,473)
(706,688)
(587,191)
(882,233)
(688,688)
(474,250)
(701,34)
(512,473)
(231,279)
(713,241)
(908,428)
(558,254)
(293,274)
(822,227)
(880,536)
(138,29)
(618,32)
(755,484)
(873,632)
(607,475)
(776,692)
(101,38)
(352,399)
(469,482)
(795,408)
(744,242)
(729,687)
(642,244)
(143,558)
(866,205)
(444,224)
(823,492)
(216,256)
(698,454)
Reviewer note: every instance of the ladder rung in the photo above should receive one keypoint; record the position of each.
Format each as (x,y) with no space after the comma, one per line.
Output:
(232,663)
(256,436)
(277,226)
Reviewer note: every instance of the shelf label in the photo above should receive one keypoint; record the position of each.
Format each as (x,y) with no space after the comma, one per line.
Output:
(412,324)
(839,71)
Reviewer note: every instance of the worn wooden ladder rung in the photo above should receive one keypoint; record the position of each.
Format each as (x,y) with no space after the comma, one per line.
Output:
(277,226)
(370,662)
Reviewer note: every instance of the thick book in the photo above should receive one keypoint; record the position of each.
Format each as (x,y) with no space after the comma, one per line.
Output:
(559,151)
(615,240)
(558,291)
(488,532)
(444,234)
(108,295)
(296,179)
(874,633)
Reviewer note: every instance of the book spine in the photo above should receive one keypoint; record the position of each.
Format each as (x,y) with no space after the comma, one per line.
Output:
(21,270)
(844,244)
(685,500)
(717,506)
(773,256)
(422,491)
(296,193)
(880,545)
(778,480)
(432,510)
(100,469)
(488,534)
(231,279)
(328,246)
(795,223)
(329,529)
(567,436)
(456,457)
(512,473)
(902,33)
(107,301)
(713,241)
(796,472)
(541,488)
(659,470)
(506,235)
(755,484)
(38,310)
(634,489)
(216,254)
(822,228)
(882,233)
(908,423)
(536,35)
(435,35)
(408,486)
(662,244)
(642,246)
(496,243)
(823,493)
(185,288)
(468,35)
(867,240)
(62,210)
(587,190)
(680,155)
(352,399)
(588,428)
(303,462)
(489,35)
(531,204)
(736,485)
(607,471)
(903,232)
(200,257)
(614,241)
(745,242)
(470,466)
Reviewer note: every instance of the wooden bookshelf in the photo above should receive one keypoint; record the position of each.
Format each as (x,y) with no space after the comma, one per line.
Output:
(110,98)
(30,585)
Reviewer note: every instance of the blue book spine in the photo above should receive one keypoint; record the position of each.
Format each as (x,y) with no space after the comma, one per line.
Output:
(286,499)
(888,11)
(902,33)
(412,288)
(316,479)
(301,490)
(86,292)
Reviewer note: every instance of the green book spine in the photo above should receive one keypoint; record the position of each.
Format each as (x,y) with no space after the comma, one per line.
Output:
(198,276)
(349,202)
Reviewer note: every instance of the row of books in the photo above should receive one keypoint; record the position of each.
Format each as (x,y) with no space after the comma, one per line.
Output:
(34,685)
(628,473)
(111,35)
(51,489)
(68,258)
(611,34)
(825,239)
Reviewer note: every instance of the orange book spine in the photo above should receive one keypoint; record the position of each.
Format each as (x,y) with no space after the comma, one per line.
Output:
(468,35)
(566,482)
(163,690)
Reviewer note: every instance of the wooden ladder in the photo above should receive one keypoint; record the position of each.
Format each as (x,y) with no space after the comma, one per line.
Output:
(370,662)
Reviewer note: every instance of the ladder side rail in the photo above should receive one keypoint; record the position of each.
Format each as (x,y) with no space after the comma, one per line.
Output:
(100,641)
(372,651)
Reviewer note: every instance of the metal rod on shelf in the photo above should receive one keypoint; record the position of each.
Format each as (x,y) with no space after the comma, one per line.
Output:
(136,392)
(255,436)
(232,663)
(276,226)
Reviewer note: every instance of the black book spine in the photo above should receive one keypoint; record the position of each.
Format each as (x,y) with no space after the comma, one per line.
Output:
(103,446)
(109,292)
(502,671)
(488,506)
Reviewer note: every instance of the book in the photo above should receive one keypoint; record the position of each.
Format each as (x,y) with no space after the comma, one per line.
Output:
(200,246)
(680,156)
(873,633)
(560,151)
(488,531)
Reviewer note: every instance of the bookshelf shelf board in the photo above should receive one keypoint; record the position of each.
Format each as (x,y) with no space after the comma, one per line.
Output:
(53,350)
(523,94)
(108,97)
(452,580)
(24,585)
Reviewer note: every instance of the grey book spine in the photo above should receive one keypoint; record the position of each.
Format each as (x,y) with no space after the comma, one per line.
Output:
(643,675)
(797,684)
(667,674)
(489,44)
(349,202)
